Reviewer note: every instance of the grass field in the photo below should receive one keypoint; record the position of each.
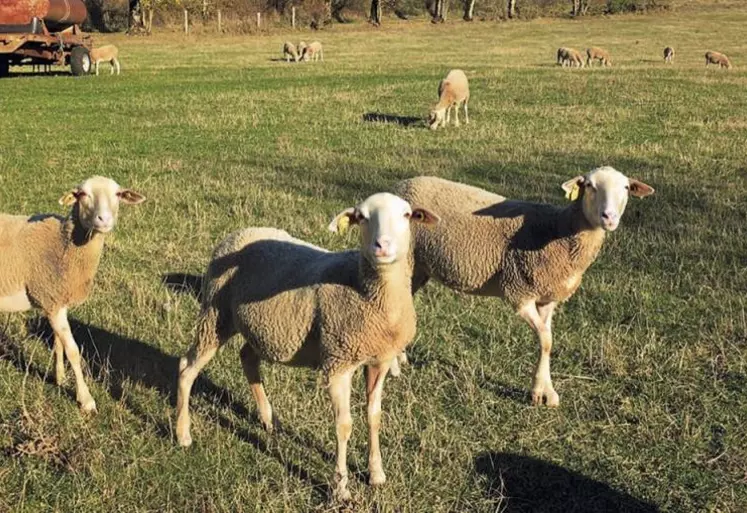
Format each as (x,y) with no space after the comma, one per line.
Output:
(651,353)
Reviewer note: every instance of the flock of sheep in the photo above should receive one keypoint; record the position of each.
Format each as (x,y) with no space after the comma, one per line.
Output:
(574,58)
(303,52)
(301,305)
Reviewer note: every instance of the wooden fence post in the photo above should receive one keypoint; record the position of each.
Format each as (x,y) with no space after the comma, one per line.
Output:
(220,24)
(186,22)
(293,17)
(259,20)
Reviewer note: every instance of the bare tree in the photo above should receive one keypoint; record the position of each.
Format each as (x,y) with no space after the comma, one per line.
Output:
(511,8)
(376,12)
(469,9)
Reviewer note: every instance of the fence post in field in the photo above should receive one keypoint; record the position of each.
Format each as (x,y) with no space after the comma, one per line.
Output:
(220,24)
(150,21)
(186,22)
(259,20)
(293,17)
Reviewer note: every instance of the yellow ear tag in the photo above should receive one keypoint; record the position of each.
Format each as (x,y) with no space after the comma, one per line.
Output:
(343,223)
(573,193)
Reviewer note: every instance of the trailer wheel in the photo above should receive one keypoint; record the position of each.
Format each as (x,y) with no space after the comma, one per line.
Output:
(4,67)
(80,61)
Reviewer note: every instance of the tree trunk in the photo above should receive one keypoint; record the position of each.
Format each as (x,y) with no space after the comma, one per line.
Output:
(376,12)
(576,9)
(511,10)
(136,18)
(469,9)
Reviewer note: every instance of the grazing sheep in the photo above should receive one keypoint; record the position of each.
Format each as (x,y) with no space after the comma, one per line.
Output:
(717,58)
(452,92)
(600,54)
(313,52)
(562,55)
(301,305)
(290,52)
(668,55)
(573,58)
(106,53)
(530,254)
(49,262)
(301,48)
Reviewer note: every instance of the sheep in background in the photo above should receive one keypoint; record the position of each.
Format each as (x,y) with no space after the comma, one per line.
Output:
(717,58)
(573,58)
(301,49)
(290,52)
(106,53)
(313,52)
(49,262)
(301,305)
(530,254)
(668,55)
(599,54)
(453,91)
(562,55)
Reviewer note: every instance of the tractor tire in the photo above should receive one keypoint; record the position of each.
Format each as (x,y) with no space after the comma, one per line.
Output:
(4,68)
(80,61)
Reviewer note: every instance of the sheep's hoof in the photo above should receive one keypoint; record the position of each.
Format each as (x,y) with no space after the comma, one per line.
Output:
(88,406)
(550,398)
(59,378)
(343,495)
(270,426)
(377,478)
(184,440)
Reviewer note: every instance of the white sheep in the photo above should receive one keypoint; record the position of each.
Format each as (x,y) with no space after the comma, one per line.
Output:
(49,262)
(290,52)
(313,52)
(301,48)
(599,54)
(453,91)
(106,53)
(717,58)
(301,305)
(668,55)
(530,254)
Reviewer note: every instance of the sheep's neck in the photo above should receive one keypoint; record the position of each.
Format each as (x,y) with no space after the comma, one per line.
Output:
(385,284)
(585,240)
(81,252)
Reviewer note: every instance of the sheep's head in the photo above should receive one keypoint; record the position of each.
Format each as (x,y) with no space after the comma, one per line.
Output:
(604,194)
(96,203)
(436,118)
(384,220)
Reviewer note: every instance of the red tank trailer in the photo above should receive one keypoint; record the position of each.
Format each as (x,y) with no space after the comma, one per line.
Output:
(43,33)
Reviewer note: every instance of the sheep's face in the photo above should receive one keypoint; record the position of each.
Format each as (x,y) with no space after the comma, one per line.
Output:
(436,118)
(384,220)
(96,202)
(604,195)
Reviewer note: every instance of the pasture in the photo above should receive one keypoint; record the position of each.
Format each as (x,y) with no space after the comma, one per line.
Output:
(650,356)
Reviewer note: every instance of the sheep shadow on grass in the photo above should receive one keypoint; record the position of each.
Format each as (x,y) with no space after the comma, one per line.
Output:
(116,362)
(378,117)
(525,484)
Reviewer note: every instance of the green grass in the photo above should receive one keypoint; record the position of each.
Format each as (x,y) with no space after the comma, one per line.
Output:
(650,356)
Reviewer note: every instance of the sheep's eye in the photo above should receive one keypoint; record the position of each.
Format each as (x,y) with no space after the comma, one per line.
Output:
(627,187)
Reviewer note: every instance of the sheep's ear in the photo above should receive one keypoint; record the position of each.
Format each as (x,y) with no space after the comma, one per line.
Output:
(639,189)
(69,198)
(344,219)
(422,215)
(130,197)
(573,186)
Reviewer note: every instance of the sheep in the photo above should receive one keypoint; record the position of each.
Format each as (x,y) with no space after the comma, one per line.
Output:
(562,55)
(313,52)
(598,53)
(49,262)
(532,255)
(668,55)
(573,58)
(452,91)
(290,52)
(301,48)
(717,58)
(301,305)
(106,53)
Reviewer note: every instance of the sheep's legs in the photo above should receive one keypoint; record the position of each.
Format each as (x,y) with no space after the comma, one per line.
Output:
(339,393)
(59,361)
(97,68)
(539,318)
(189,367)
(466,113)
(62,332)
(250,363)
(397,362)
(375,376)
(456,114)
